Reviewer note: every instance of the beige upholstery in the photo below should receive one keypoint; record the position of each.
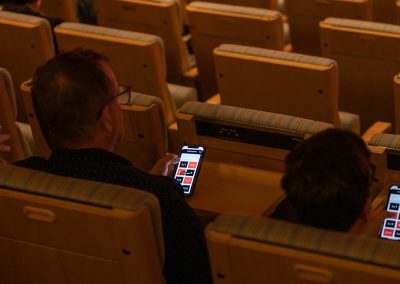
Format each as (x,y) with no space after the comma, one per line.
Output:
(8,114)
(162,18)
(305,15)
(62,230)
(281,82)
(384,11)
(62,9)
(260,250)
(145,138)
(26,44)
(368,58)
(212,24)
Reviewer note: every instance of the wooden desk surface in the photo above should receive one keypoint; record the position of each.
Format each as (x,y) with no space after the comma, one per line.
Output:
(228,188)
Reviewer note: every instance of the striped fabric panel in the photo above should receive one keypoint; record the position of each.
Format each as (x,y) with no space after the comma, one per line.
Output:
(276,54)
(22,17)
(331,243)
(253,117)
(236,9)
(6,78)
(116,33)
(363,25)
(110,32)
(144,100)
(90,192)
(391,141)
(181,94)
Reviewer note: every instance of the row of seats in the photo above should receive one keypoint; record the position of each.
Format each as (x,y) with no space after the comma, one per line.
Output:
(45,216)
(360,88)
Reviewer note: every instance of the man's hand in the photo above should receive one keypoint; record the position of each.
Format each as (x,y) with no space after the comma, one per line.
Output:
(165,165)
(4,148)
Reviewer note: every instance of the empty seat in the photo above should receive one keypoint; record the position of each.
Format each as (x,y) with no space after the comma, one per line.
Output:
(304,17)
(259,250)
(281,82)
(145,139)
(384,11)
(138,60)
(158,17)
(213,24)
(62,9)
(27,43)
(62,230)
(368,57)
(21,140)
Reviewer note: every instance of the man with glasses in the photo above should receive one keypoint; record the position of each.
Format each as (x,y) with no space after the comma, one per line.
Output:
(76,99)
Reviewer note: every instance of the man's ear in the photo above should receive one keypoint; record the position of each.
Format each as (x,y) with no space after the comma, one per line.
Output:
(106,119)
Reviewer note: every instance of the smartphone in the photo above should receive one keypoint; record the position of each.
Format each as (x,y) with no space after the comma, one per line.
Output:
(188,168)
(391,226)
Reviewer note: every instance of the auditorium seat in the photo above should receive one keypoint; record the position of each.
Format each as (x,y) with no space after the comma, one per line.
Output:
(212,24)
(62,9)
(265,4)
(62,230)
(245,150)
(384,11)
(251,250)
(26,43)
(368,57)
(304,17)
(21,140)
(145,139)
(159,17)
(282,82)
(138,60)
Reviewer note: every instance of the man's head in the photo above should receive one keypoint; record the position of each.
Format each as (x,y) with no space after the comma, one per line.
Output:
(327,179)
(73,100)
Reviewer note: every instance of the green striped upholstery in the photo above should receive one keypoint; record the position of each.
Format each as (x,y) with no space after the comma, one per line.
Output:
(236,9)
(116,34)
(253,117)
(89,192)
(363,25)
(296,236)
(18,17)
(391,141)
(276,54)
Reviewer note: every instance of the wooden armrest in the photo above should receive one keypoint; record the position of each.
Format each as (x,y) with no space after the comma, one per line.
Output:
(214,100)
(377,127)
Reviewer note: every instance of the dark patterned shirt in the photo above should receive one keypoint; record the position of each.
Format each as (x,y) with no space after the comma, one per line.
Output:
(186,253)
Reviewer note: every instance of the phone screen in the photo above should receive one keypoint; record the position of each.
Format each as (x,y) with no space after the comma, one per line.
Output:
(391,226)
(188,167)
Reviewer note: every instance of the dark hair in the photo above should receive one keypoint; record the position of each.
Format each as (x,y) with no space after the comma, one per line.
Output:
(327,179)
(67,93)
(18,2)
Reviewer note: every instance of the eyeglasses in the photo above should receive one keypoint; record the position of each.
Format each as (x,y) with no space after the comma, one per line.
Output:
(124,97)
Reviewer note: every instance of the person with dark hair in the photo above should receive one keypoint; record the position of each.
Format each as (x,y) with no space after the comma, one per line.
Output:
(327,180)
(29,7)
(75,97)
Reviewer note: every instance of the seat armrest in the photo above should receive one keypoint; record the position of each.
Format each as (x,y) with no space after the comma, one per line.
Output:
(376,128)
